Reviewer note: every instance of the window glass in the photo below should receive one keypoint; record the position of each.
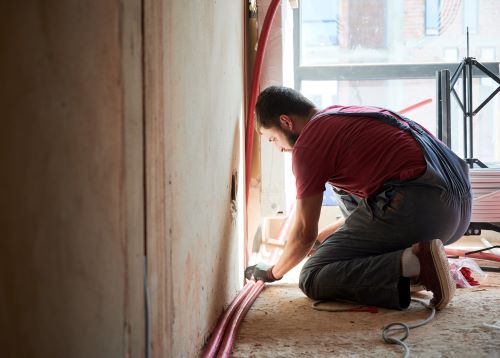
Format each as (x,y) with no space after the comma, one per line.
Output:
(400,94)
(488,54)
(392,94)
(321,93)
(451,54)
(319,28)
(470,16)
(381,31)
(384,53)
(432,17)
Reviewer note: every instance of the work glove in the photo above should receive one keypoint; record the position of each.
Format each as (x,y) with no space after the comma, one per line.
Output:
(262,272)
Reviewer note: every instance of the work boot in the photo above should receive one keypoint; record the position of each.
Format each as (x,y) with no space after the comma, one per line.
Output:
(435,272)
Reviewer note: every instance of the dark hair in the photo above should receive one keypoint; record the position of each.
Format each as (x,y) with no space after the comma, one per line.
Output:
(275,101)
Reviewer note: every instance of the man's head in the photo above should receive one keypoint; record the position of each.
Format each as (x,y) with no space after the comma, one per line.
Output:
(281,113)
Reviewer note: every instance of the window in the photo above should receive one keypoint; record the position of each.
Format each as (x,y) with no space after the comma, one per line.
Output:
(432,17)
(397,67)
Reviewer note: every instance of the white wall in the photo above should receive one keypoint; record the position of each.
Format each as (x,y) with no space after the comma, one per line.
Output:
(204,104)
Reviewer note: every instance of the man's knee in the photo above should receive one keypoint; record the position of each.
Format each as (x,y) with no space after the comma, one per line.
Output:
(307,281)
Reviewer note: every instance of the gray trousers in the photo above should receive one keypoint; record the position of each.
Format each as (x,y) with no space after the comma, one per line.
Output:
(361,261)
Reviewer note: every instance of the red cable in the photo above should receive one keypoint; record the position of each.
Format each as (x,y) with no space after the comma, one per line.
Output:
(478,255)
(415,106)
(254,90)
(218,334)
(257,288)
(229,338)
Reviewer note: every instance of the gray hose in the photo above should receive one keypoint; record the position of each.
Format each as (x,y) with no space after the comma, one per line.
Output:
(399,326)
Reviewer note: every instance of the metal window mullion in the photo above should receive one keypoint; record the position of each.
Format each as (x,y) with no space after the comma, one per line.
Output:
(297,78)
(378,71)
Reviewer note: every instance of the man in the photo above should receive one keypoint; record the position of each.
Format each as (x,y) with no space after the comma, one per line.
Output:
(402,192)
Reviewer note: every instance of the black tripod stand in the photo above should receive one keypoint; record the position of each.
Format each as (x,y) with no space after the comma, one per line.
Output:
(445,86)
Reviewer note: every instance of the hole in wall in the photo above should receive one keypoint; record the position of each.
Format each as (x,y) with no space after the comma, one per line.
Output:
(234,192)
(234,185)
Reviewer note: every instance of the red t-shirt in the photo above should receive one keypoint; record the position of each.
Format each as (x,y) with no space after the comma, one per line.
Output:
(355,154)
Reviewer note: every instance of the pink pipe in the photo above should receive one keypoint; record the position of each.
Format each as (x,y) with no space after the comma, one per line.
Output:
(415,106)
(254,89)
(218,334)
(478,255)
(229,338)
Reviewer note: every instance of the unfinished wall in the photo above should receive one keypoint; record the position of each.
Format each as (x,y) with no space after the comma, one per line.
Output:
(71,187)
(204,117)
(194,121)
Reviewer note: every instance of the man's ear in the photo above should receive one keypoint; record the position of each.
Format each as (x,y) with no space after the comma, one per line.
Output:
(287,122)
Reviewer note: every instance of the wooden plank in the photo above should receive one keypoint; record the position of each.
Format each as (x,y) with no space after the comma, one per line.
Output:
(132,190)
(158,247)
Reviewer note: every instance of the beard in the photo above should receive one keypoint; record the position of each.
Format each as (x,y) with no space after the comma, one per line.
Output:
(290,137)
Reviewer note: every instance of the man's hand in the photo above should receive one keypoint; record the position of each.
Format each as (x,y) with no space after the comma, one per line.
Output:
(262,272)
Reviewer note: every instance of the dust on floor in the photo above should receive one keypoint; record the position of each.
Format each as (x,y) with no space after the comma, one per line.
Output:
(282,323)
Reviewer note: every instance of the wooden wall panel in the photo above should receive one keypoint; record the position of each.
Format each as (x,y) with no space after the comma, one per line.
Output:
(71,183)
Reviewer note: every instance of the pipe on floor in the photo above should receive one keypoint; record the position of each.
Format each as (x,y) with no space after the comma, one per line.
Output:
(478,255)
(251,290)
(230,336)
(220,329)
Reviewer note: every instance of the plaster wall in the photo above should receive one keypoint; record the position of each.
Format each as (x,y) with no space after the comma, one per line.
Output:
(204,106)
(71,187)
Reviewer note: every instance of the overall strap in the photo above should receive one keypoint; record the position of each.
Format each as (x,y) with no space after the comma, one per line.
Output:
(444,168)
(400,124)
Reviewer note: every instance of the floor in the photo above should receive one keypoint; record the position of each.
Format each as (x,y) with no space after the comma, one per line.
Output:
(282,323)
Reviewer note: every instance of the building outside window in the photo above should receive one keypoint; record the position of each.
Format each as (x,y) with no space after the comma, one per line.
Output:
(319,29)
(470,16)
(432,17)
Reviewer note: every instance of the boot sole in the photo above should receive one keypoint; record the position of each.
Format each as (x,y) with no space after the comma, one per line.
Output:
(443,271)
